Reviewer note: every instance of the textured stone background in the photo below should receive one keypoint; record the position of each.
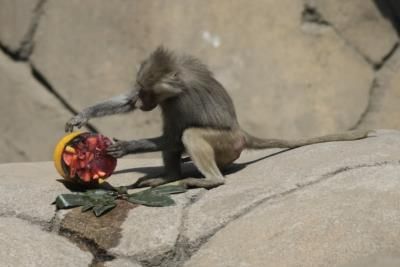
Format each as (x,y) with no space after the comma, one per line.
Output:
(293,67)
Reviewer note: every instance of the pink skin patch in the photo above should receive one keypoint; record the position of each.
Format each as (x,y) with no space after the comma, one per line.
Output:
(239,145)
(228,155)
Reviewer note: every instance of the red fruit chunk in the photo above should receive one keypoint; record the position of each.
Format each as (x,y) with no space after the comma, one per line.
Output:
(88,158)
(91,143)
(67,158)
(101,173)
(85,175)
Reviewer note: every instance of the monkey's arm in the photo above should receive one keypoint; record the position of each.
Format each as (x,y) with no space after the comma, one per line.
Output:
(118,104)
(122,148)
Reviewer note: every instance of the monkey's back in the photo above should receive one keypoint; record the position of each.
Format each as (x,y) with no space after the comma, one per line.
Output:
(204,103)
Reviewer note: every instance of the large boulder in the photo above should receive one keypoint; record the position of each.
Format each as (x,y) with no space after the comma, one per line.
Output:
(361,23)
(384,108)
(32,118)
(302,82)
(333,204)
(18,22)
(24,244)
(352,214)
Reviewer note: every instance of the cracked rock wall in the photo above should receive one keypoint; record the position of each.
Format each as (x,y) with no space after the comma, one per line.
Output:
(323,66)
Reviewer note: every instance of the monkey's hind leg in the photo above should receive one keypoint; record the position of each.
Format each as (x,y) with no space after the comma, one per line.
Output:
(172,164)
(210,149)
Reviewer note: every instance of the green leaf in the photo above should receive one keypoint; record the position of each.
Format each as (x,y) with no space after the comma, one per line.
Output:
(102,201)
(100,210)
(121,190)
(152,199)
(157,196)
(87,206)
(99,193)
(168,189)
(100,197)
(65,201)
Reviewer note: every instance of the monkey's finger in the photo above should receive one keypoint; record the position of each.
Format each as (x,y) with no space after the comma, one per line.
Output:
(113,148)
(68,128)
(71,127)
(111,153)
(115,154)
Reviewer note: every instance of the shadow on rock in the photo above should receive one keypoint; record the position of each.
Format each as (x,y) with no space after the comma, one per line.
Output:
(390,9)
(190,170)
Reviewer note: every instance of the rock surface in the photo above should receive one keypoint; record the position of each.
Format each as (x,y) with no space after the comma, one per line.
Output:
(17,24)
(313,62)
(377,261)
(284,70)
(23,244)
(331,223)
(385,96)
(32,119)
(306,205)
(121,263)
(361,24)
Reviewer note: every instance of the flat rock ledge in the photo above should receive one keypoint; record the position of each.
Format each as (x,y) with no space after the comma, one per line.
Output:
(331,204)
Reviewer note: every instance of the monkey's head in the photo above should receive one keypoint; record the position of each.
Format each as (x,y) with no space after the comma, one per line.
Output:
(157,80)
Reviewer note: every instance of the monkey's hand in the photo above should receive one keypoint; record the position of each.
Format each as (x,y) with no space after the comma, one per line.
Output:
(119,148)
(76,121)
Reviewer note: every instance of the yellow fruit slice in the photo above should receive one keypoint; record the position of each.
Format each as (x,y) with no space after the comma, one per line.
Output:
(70,149)
(59,150)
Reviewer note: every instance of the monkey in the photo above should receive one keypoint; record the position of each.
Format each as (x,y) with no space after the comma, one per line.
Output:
(198,116)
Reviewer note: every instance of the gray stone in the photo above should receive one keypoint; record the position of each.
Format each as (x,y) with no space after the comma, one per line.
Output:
(121,263)
(28,189)
(346,216)
(313,198)
(383,111)
(316,82)
(391,9)
(23,244)
(16,17)
(376,261)
(281,174)
(32,119)
(361,23)
(150,233)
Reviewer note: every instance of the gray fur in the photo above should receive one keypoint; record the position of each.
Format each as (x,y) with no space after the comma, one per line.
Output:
(194,103)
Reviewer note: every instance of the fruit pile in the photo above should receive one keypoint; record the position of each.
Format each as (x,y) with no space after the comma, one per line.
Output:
(83,157)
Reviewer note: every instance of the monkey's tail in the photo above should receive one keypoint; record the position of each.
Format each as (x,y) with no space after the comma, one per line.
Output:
(253,142)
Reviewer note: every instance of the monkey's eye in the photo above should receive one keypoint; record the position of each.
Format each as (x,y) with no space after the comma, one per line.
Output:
(141,93)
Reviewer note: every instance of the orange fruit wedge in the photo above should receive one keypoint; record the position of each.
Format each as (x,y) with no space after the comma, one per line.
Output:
(59,151)
(82,157)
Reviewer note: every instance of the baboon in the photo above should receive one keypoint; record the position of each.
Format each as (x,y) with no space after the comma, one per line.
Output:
(198,119)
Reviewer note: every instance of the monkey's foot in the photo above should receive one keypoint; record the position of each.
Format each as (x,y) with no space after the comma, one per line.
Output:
(153,182)
(201,183)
